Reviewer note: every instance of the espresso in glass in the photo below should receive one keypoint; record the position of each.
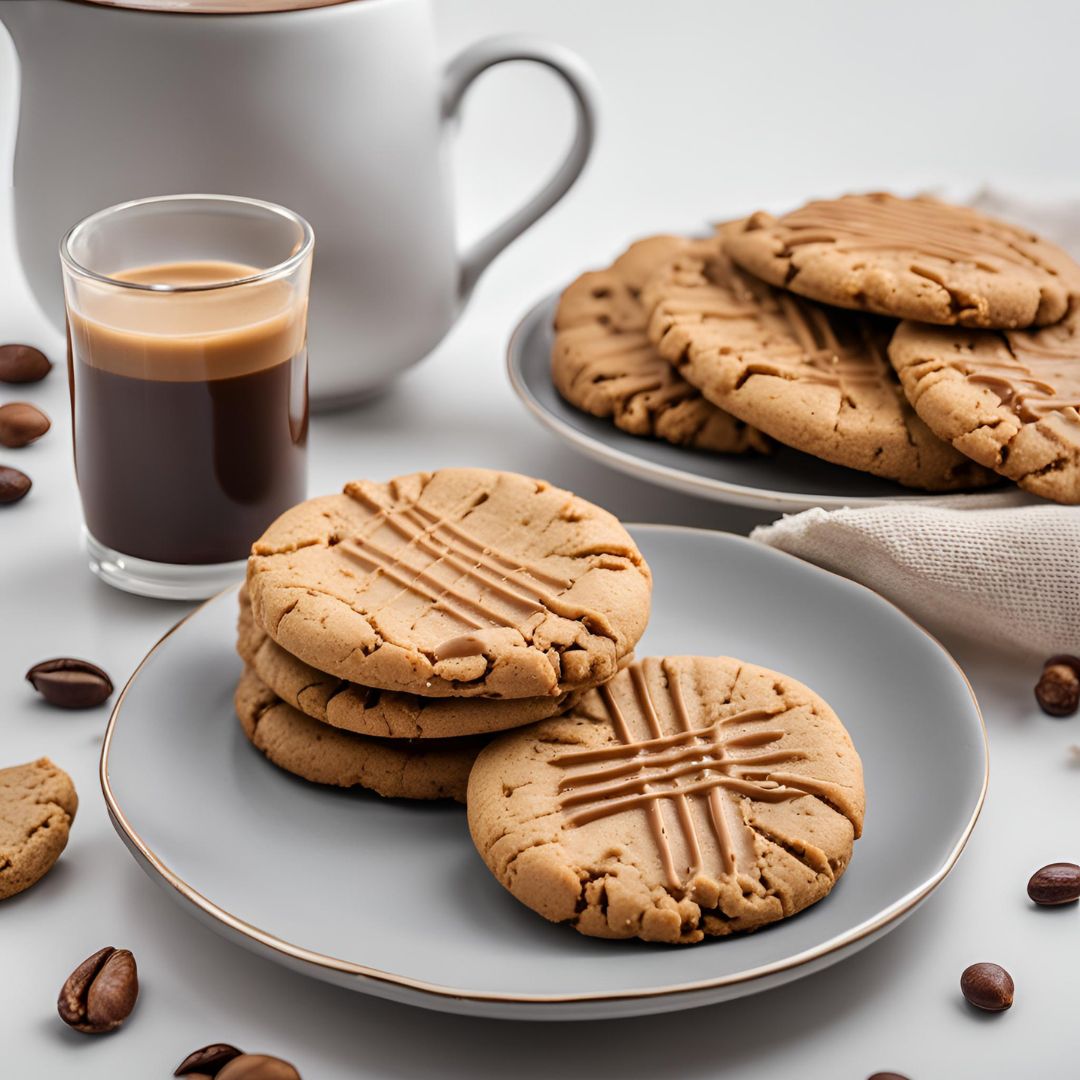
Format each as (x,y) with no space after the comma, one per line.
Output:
(189,410)
(189,431)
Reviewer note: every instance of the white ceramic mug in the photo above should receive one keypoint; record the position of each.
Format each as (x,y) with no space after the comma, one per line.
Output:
(340,112)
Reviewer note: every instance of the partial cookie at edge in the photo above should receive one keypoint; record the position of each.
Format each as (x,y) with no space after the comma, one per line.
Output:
(1008,399)
(603,363)
(37,806)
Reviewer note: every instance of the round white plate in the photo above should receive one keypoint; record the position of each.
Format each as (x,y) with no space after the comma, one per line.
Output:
(785,481)
(391,898)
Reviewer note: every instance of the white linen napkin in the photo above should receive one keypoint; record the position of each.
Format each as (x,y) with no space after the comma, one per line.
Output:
(1010,577)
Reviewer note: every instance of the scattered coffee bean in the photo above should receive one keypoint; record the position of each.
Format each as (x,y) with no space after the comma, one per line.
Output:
(208,1060)
(22,363)
(13,484)
(987,986)
(887,1076)
(257,1067)
(69,683)
(1056,883)
(100,993)
(1058,690)
(21,424)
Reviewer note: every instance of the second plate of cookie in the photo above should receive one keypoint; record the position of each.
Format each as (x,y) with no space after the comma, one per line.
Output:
(781,480)
(391,897)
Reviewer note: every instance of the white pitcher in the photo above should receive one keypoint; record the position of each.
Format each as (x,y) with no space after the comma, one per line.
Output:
(339,110)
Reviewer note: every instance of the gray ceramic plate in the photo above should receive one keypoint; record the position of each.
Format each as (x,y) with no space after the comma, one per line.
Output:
(390,897)
(783,481)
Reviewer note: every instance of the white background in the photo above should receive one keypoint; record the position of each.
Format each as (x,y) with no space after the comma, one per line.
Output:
(709,108)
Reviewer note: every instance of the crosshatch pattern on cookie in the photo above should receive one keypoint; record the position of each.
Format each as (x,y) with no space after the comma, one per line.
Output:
(709,305)
(1034,374)
(462,582)
(1009,399)
(915,258)
(702,766)
(484,588)
(813,377)
(689,797)
(603,362)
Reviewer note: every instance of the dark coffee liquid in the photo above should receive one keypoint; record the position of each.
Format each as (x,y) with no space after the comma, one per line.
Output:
(187,445)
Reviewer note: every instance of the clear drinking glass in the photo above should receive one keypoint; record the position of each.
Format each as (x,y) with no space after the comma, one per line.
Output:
(187,361)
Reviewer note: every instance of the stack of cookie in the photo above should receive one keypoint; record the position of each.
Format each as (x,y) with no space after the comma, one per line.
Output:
(918,341)
(388,631)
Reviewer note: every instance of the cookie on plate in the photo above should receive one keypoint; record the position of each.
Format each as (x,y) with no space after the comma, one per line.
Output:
(458,583)
(1008,399)
(37,806)
(912,259)
(603,363)
(381,713)
(813,377)
(321,754)
(688,797)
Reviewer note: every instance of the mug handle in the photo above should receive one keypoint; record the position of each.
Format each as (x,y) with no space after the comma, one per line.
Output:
(458,76)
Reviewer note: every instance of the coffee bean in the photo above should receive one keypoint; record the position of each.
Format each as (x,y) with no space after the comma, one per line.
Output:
(100,993)
(69,683)
(21,424)
(13,484)
(1055,883)
(208,1060)
(887,1076)
(987,986)
(22,363)
(1058,690)
(258,1067)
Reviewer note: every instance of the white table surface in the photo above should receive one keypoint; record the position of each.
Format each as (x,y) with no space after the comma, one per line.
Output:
(709,107)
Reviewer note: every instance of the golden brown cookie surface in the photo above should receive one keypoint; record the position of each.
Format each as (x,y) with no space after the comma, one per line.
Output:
(690,796)
(603,363)
(37,806)
(381,713)
(321,754)
(458,583)
(911,259)
(814,378)
(1009,399)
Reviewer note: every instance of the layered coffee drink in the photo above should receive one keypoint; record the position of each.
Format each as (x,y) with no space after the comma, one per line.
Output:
(189,408)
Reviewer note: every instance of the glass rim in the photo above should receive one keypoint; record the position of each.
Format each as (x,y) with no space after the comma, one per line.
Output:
(307,242)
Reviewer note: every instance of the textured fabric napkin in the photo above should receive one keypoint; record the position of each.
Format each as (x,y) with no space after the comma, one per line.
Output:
(1010,576)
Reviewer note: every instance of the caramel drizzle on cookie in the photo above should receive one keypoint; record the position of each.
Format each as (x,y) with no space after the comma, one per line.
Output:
(804,341)
(885,223)
(1022,378)
(503,592)
(859,359)
(694,765)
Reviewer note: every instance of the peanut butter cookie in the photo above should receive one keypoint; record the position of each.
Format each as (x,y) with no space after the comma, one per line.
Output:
(812,377)
(912,259)
(603,363)
(381,713)
(37,806)
(321,754)
(1009,399)
(688,797)
(459,583)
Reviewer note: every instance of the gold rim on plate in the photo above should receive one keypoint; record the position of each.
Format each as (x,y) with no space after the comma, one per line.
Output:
(891,915)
